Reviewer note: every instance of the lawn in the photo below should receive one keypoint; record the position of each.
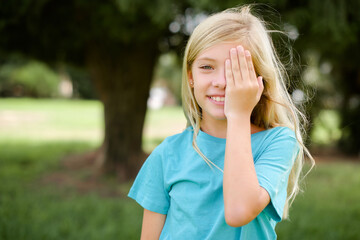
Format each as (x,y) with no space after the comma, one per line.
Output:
(41,198)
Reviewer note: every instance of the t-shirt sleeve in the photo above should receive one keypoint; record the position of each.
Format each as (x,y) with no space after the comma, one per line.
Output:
(273,168)
(148,188)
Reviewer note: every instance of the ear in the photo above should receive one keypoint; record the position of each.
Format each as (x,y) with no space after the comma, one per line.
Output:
(190,79)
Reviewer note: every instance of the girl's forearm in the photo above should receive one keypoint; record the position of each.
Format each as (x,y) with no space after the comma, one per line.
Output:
(242,193)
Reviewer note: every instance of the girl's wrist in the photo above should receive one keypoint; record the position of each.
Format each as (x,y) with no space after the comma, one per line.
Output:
(237,122)
(240,117)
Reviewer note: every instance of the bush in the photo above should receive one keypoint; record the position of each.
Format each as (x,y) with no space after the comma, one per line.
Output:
(29,79)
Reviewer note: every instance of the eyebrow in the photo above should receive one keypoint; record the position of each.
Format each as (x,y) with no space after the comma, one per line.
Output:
(207,59)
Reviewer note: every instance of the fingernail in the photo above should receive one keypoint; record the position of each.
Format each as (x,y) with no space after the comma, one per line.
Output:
(247,53)
(240,48)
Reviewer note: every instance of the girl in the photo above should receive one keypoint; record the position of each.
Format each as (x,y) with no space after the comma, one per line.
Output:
(233,172)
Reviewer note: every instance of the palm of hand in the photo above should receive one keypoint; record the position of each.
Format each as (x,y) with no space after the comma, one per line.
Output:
(243,88)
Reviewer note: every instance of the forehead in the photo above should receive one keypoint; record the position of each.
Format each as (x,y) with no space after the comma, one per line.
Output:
(219,51)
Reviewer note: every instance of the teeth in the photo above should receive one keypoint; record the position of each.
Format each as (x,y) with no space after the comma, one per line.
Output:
(218,99)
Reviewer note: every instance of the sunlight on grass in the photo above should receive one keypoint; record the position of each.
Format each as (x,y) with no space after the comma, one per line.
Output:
(44,120)
(76,120)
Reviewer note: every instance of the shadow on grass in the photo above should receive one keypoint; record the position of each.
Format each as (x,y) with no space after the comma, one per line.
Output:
(40,198)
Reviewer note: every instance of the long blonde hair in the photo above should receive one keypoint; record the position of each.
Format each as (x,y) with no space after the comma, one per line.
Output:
(275,107)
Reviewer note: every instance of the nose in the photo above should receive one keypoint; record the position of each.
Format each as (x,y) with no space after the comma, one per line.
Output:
(219,80)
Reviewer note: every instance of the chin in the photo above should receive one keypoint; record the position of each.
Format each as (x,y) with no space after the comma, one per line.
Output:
(217,115)
(220,116)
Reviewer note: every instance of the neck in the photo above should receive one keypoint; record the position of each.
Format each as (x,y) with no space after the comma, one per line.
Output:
(216,128)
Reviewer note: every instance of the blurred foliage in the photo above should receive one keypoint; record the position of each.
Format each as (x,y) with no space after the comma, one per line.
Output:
(32,78)
(21,77)
(168,72)
(328,33)
(323,33)
(326,128)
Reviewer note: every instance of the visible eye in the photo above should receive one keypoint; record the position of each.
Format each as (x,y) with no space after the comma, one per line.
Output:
(206,67)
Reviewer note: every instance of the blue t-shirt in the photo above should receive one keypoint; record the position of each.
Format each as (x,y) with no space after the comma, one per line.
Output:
(176,181)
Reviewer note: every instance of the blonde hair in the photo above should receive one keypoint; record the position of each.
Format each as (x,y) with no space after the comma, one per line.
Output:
(275,107)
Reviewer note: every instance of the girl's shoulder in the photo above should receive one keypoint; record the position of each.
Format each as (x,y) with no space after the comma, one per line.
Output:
(278,131)
(275,136)
(172,147)
(284,132)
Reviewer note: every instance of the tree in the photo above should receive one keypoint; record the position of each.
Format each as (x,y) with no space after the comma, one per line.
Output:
(117,41)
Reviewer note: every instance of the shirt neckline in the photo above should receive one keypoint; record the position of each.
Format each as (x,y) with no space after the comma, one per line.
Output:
(205,136)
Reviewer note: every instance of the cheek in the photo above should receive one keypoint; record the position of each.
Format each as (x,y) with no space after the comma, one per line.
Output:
(200,94)
(200,79)
(196,92)
(199,86)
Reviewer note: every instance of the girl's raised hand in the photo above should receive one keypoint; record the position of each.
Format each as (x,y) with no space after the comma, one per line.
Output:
(243,88)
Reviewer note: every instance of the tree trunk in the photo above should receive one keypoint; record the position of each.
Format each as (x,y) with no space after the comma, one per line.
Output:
(122,79)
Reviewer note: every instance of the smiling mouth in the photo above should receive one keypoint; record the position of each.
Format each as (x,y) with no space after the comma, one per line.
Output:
(218,99)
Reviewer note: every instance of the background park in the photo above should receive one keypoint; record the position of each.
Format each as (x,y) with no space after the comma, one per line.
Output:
(89,88)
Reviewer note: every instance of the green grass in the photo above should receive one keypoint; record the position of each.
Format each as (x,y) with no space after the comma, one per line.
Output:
(31,207)
(37,201)
(329,208)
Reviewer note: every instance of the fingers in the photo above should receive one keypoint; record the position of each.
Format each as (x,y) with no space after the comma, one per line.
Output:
(243,63)
(235,65)
(240,67)
(228,73)
(252,75)
(251,69)
(243,87)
